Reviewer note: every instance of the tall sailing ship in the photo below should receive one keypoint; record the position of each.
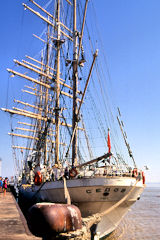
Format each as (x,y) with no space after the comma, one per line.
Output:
(65,126)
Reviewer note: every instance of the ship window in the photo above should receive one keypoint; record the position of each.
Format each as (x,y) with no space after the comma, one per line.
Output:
(105,193)
(107,190)
(98,190)
(116,190)
(123,190)
(88,191)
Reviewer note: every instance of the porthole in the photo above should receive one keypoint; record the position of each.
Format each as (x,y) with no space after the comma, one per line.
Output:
(123,190)
(88,191)
(107,190)
(98,190)
(116,190)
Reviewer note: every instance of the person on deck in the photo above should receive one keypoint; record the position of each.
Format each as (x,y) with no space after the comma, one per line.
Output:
(66,173)
(5,182)
(1,184)
(55,172)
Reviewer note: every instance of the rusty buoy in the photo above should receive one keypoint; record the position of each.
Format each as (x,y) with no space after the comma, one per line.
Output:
(50,219)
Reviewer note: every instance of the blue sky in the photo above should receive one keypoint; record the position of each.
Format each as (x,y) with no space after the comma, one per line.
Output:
(132,43)
(131,38)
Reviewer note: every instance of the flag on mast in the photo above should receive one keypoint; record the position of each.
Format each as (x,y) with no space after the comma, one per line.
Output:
(109,141)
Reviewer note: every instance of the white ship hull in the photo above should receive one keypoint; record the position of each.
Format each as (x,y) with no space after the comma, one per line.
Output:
(92,195)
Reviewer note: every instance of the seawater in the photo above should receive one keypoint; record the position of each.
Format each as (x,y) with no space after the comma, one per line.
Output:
(143,219)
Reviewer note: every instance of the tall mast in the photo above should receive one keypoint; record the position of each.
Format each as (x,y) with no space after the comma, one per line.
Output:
(57,85)
(75,82)
(40,109)
(46,93)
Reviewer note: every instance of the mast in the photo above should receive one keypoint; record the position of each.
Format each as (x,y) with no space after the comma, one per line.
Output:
(57,85)
(46,94)
(40,112)
(75,83)
(125,140)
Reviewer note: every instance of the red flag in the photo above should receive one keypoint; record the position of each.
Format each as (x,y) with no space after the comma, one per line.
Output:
(109,142)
